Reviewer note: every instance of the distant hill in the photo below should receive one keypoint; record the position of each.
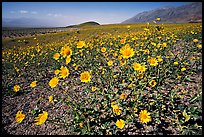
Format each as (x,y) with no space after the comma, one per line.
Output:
(90,23)
(183,14)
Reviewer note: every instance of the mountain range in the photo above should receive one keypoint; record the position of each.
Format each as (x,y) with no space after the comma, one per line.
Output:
(169,14)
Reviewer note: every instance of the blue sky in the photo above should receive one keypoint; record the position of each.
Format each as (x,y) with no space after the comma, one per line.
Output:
(68,13)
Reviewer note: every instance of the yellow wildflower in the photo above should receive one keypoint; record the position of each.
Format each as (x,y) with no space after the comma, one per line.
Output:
(127,51)
(68,59)
(51,99)
(64,72)
(152,83)
(152,62)
(53,82)
(144,116)
(183,69)
(187,117)
(66,51)
(158,19)
(122,41)
(85,77)
(19,116)
(159,59)
(135,109)
(103,49)
(175,63)
(93,88)
(122,62)
(142,68)
(140,75)
(80,44)
(33,84)
(195,40)
(110,63)
(178,77)
(120,123)
(116,109)
(81,125)
(136,66)
(123,96)
(56,56)
(16,88)
(199,46)
(57,72)
(41,118)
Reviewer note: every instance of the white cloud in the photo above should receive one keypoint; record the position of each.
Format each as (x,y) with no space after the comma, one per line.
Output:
(23,11)
(49,14)
(33,12)
(55,15)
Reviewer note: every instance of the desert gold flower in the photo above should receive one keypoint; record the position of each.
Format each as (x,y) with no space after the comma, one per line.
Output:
(57,71)
(51,99)
(142,68)
(195,40)
(41,118)
(103,72)
(159,59)
(94,88)
(16,88)
(85,77)
(123,96)
(80,44)
(103,49)
(199,46)
(19,116)
(119,57)
(81,124)
(74,65)
(56,56)
(115,54)
(76,68)
(140,75)
(122,62)
(187,117)
(64,72)
(135,109)
(110,63)
(183,69)
(116,109)
(122,41)
(164,44)
(127,51)
(33,84)
(178,77)
(146,29)
(152,83)
(152,62)
(68,59)
(144,116)
(175,63)
(120,123)
(66,51)
(153,44)
(53,82)
(136,66)
(112,104)
(158,19)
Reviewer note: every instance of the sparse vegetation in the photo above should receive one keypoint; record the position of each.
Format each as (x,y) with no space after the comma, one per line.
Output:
(131,79)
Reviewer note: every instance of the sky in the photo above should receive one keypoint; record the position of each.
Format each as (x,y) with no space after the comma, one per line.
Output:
(60,14)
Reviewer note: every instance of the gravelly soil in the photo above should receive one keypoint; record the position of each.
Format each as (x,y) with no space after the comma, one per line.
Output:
(60,114)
